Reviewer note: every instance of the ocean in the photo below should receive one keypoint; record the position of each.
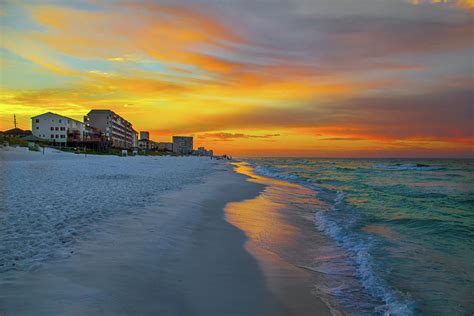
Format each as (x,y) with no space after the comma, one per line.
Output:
(401,231)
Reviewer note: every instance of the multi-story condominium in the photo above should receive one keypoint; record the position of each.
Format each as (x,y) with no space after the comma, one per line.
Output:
(183,144)
(117,130)
(164,146)
(94,135)
(144,135)
(135,138)
(57,128)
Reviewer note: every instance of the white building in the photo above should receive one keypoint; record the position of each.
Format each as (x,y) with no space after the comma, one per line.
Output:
(56,128)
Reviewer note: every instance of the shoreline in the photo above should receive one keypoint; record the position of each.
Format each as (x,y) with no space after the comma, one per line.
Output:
(179,256)
(283,241)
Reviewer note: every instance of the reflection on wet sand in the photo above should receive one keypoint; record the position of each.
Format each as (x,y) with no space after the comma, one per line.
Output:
(259,217)
(283,239)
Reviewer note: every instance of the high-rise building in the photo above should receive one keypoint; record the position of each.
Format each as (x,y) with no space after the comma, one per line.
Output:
(118,131)
(183,144)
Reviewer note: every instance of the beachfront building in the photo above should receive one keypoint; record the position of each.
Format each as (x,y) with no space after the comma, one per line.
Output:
(183,144)
(117,130)
(165,146)
(93,134)
(134,139)
(56,128)
(147,144)
(144,135)
(203,152)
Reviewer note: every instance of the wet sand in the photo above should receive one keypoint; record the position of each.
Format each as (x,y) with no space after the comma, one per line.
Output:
(179,258)
(285,242)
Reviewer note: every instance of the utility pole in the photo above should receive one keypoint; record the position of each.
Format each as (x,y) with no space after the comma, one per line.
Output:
(14,120)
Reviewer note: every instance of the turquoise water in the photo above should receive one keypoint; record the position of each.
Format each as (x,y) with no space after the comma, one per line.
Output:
(406,228)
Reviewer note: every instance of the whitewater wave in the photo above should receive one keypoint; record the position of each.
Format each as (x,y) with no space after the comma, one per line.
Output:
(359,250)
(341,231)
(266,172)
(274,174)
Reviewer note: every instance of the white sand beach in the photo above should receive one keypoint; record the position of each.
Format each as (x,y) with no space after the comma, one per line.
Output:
(106,235)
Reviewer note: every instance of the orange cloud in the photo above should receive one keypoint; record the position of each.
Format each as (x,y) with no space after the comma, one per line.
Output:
(166,33)
(222,136)
(466,4)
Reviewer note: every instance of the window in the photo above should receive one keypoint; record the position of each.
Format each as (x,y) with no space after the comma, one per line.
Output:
(63,128)
(57,128)
(52,136)
(37,127)
(63,136)
(57,136)
(52,128)
(37,120)
(60,121)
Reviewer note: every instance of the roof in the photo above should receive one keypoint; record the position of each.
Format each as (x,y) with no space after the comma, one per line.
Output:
(183,136)
(68,118)
(108,111)
(101,110)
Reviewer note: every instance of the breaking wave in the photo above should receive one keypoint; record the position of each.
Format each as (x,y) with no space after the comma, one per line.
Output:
(341,231)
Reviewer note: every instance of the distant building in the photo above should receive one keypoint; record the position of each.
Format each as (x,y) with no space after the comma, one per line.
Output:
(203,152)
(146,144)
(117,130)
(183,144)
(163,146)
(56,128)
(144,135)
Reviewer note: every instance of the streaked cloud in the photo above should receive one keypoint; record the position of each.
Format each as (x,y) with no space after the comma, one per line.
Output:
(230,136)
(467,4)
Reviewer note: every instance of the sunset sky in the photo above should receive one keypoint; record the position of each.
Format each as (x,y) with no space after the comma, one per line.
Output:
(351,78)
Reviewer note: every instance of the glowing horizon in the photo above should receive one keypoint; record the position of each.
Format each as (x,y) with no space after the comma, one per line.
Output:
(376,78)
